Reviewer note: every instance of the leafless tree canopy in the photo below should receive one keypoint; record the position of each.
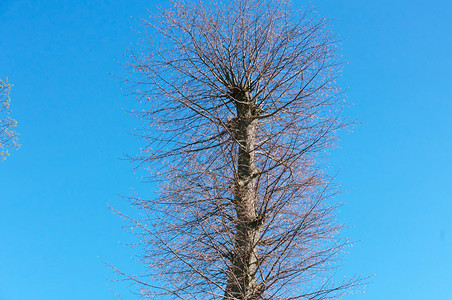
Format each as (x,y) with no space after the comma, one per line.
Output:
(8,138)
(241,105)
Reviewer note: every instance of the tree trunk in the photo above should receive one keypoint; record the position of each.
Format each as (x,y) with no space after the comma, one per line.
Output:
(241,282)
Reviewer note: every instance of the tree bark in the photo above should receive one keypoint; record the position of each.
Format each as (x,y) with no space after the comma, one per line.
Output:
(241,282)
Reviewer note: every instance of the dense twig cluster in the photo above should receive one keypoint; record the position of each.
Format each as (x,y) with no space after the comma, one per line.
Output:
(8,137)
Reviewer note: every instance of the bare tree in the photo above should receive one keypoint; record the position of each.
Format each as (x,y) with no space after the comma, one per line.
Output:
(241,105)
(8,137)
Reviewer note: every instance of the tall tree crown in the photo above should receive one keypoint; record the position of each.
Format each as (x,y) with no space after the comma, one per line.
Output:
(241,104)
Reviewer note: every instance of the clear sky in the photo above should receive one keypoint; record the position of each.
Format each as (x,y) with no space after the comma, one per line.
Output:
(56,232)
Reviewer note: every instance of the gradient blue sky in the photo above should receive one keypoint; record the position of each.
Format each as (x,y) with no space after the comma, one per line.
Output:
(56,231)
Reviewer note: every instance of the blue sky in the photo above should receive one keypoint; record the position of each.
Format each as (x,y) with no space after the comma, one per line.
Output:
(56,231)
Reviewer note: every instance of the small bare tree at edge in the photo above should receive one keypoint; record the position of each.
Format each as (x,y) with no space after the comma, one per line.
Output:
(8,137)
